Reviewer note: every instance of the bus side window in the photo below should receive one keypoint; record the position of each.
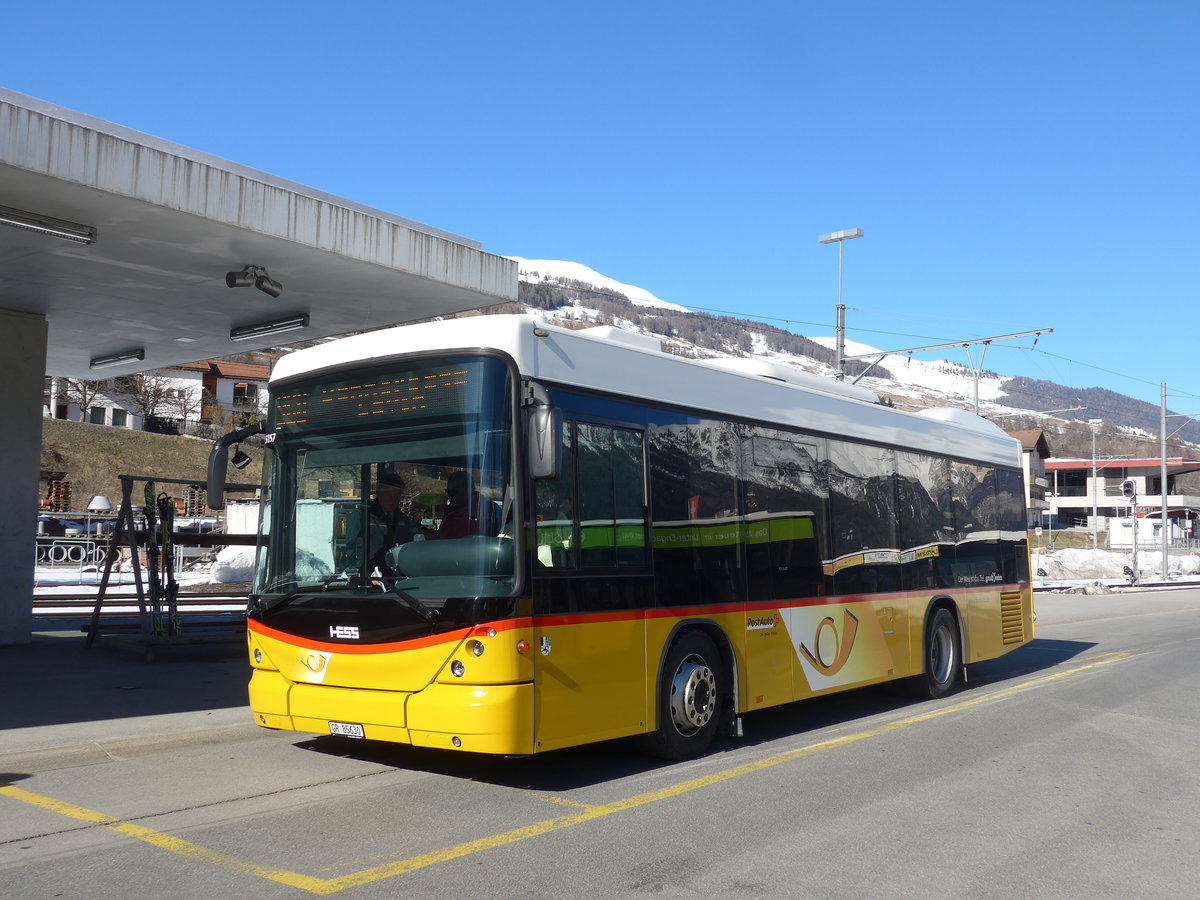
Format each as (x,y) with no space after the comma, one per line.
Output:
(612,504)
(555,502)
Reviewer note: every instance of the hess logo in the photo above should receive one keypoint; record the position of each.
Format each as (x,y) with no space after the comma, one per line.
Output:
(830,649)
(344,632)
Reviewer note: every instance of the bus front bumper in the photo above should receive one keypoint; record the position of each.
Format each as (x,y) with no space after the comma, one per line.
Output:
(477,718)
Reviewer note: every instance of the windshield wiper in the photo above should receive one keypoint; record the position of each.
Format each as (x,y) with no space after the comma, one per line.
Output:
(429,615)
(300,590)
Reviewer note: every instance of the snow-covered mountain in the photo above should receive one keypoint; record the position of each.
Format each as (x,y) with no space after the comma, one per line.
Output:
(560,272)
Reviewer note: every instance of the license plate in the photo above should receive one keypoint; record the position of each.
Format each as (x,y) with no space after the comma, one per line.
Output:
(346,729)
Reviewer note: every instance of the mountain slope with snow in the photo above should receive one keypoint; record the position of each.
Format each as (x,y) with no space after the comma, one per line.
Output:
(561,272)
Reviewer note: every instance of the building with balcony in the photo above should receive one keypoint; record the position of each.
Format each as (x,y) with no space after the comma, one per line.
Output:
(1073,492)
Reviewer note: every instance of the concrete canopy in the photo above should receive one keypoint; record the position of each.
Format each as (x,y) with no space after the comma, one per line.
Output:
(170,222)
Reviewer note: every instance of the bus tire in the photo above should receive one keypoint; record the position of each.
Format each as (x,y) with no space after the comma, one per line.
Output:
(689,698)
(942,657)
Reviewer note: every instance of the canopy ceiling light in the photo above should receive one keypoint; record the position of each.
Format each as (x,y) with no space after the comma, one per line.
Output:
(68,231)
(254,275)
(265,329)
(116,359)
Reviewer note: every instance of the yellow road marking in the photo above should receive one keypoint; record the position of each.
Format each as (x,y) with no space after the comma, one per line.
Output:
(163,841)
(323,886)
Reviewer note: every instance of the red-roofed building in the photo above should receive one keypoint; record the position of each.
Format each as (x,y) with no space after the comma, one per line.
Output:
(228,392)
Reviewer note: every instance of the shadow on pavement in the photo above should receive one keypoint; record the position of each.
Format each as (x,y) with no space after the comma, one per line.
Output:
(578,767)
(56,680)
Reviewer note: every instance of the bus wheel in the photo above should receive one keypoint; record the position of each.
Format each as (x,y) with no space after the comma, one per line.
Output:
(689,698)
(941,657)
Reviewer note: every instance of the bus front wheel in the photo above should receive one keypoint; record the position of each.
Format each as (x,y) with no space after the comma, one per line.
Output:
(689,698)
(942,660)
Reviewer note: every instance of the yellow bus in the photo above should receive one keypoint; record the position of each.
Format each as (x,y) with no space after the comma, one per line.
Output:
(500,536)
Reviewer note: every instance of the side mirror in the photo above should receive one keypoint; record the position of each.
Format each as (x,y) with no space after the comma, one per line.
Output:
(545,441)
(218,463)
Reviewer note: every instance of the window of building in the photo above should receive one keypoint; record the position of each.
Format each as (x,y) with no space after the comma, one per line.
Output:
(96,415)
(245,393)
(120,418)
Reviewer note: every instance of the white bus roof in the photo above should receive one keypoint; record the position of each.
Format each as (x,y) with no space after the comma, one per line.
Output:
(634,365)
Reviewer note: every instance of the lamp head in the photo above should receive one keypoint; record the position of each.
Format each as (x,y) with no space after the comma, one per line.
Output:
(244,278)
(268,285)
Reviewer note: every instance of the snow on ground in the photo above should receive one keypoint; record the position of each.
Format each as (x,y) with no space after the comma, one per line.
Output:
(536,271)
(51,580)
(234,565)
(1074,567)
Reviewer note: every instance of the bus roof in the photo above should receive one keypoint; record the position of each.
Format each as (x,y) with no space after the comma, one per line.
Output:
(633,365)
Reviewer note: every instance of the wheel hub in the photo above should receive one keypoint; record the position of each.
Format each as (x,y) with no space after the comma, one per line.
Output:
(693,695)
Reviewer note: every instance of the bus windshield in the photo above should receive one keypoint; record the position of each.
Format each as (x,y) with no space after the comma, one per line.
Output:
(392,483)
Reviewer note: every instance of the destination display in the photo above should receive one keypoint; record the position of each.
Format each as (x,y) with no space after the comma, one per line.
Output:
(422,393)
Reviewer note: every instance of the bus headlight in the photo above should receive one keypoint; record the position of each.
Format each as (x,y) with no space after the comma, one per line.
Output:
(457,669)
(476,647)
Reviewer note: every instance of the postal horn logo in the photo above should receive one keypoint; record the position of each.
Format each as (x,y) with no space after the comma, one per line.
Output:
(832,649)
(314,662)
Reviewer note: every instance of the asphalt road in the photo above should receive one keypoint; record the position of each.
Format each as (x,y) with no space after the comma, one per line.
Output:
(1066,769)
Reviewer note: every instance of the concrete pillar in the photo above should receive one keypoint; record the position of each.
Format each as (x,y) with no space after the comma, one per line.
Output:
(22,374)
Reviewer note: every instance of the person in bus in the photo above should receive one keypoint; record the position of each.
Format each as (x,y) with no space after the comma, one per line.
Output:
(467,511)
(389,526)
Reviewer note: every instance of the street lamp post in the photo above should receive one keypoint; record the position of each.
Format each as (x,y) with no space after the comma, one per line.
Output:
(839,238)
(1095,512)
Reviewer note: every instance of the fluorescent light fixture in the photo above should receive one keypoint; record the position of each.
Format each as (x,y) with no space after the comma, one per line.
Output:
(116,359)
(68,231)
(265,329)
(847,235)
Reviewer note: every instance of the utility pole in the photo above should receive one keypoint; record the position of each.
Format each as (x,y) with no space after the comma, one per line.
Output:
(1162,476)
(1095,513)
(839,238)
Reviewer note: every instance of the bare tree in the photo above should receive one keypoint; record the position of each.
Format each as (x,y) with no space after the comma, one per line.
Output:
(83,393)
(146,392)
(183,403)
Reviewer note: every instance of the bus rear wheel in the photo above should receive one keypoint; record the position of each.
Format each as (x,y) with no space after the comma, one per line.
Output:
(689,698)
(942,661)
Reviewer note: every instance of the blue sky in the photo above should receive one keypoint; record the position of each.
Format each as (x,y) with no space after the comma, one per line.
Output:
(1015,165)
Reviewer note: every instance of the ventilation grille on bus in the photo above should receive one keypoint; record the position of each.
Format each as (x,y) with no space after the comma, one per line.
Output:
(1012,623)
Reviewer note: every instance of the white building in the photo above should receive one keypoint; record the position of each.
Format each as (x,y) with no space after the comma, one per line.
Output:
(1073,494)
(216,393)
